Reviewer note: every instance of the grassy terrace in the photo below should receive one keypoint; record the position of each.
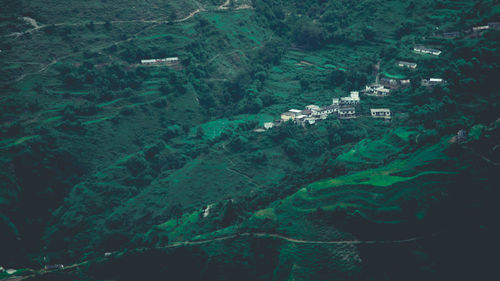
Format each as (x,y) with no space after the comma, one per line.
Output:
(374,194)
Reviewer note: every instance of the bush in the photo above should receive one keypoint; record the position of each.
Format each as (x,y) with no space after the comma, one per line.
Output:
(136,165)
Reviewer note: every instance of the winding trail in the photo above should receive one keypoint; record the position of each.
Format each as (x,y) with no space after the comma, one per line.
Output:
(154,22)
(37,27)
(96,49)
(34,273)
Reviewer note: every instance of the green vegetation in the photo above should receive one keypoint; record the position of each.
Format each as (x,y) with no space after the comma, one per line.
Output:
(162,165)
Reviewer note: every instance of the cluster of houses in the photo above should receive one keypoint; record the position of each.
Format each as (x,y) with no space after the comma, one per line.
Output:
(384,86)
(343,108)
(168,61)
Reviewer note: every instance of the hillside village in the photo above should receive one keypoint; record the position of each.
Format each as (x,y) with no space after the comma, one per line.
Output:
(345,107)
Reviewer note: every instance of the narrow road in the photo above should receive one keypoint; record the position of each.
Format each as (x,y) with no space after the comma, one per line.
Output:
(232,236)
(37,27)
(56,60)
(155,22)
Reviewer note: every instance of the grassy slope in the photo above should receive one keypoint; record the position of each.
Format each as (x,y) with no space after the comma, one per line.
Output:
(373,195)
(106,185)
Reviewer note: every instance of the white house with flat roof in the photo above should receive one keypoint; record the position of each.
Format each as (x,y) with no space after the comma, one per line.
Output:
(313,107)
(432,82)
(285,116)
(380,113)
(268,125)
(353,99)
(346,113)
(406,64)
(290,114)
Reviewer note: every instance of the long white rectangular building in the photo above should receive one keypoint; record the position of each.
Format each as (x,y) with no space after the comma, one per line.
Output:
(160,61)
(425,50)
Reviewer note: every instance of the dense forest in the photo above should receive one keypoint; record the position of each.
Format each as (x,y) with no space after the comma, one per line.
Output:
(120,170)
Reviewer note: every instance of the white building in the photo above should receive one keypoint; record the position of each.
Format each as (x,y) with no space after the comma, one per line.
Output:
(376,90)
(432,82)
(405,83)
(411,65)
(380,113)
(290,114)
(10,271)
(425,50)
(313,107)
(328,110)
(353,99)
(268,125)
(346,113)
(480,28)
(171,60)
(287,116)
(311,120)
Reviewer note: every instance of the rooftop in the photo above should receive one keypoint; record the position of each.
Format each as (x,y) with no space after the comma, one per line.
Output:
(347,109)
(436,79)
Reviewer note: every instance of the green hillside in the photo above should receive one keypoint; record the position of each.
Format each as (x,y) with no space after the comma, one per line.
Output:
(122,170)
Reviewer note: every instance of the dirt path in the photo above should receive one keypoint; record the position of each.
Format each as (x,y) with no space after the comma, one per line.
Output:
(224,6)
(232,236)
(155,22)
(95,49)
(37,27)
(192,14)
